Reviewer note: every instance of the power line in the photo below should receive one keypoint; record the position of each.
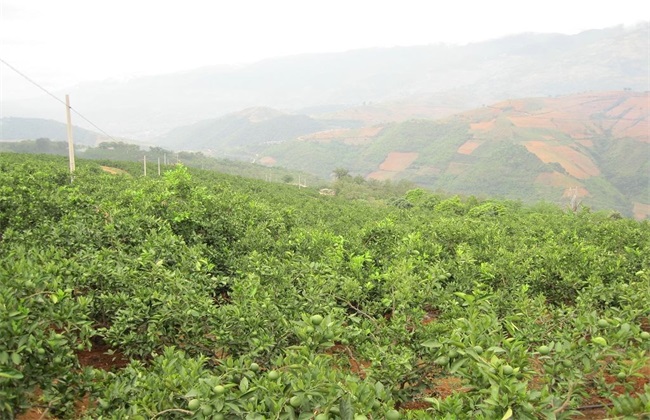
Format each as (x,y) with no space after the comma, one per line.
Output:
(56,98)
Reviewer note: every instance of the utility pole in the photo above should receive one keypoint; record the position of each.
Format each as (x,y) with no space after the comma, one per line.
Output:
(158,165)
(144,164)
(70,141)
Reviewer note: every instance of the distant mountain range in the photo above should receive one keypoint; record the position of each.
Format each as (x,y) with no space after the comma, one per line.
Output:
(376,85)
(16,129)
(593,145)
(442,116)
(241,134)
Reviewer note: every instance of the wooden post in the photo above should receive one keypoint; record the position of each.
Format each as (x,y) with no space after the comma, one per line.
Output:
(144,163)
(158,166)
(70,141)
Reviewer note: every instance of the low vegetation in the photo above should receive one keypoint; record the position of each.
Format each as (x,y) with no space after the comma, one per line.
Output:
(206,295)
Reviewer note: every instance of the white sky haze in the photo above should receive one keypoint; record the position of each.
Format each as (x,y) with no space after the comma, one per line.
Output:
(65,42)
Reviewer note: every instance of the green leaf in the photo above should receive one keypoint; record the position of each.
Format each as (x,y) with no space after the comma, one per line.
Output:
(345,408)
(379,387)
(15,357)
(457,365)
(192,393)
(291,412)
(243,385)
(507,415)
(465,296)
(13,374)
(431,343)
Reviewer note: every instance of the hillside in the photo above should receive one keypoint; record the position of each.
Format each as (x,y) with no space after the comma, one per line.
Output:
(14,129)
(196,295)
(438,79)
(593,145)
(110,153)
(242,133)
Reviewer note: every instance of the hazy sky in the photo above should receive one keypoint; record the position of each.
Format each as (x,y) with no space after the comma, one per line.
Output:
(59,43)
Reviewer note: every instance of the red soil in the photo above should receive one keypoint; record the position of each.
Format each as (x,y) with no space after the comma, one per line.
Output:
(636,129)
(482,125)
(267,160)
(585,143)
(641,211)
(114,171)
(356,136)
(574,162)
(398,161)
(98,357)
(556,179)
(381,175)
(468,147)
(626,114)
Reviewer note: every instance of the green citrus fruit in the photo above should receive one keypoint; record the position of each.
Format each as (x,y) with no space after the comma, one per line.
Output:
(206,410)
(219,389)
(544,350)
(321,416)
(392,415)
(602,323)
(218,416)
(316,319)
(255,367)
(507,369)
(453,353)
(621,375)
(273,375)
(309,329)
(645,335)
(360,417)
(295,401)
(567,363)
(478,349)
(599,340)
(194,404)
(442,360)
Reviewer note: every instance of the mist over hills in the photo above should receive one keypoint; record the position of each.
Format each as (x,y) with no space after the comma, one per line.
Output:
(438,79)
(15,129)
(242,134)
(530,116)
(593,145)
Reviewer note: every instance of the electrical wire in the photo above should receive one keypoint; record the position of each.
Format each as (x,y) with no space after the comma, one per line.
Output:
(56,98)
